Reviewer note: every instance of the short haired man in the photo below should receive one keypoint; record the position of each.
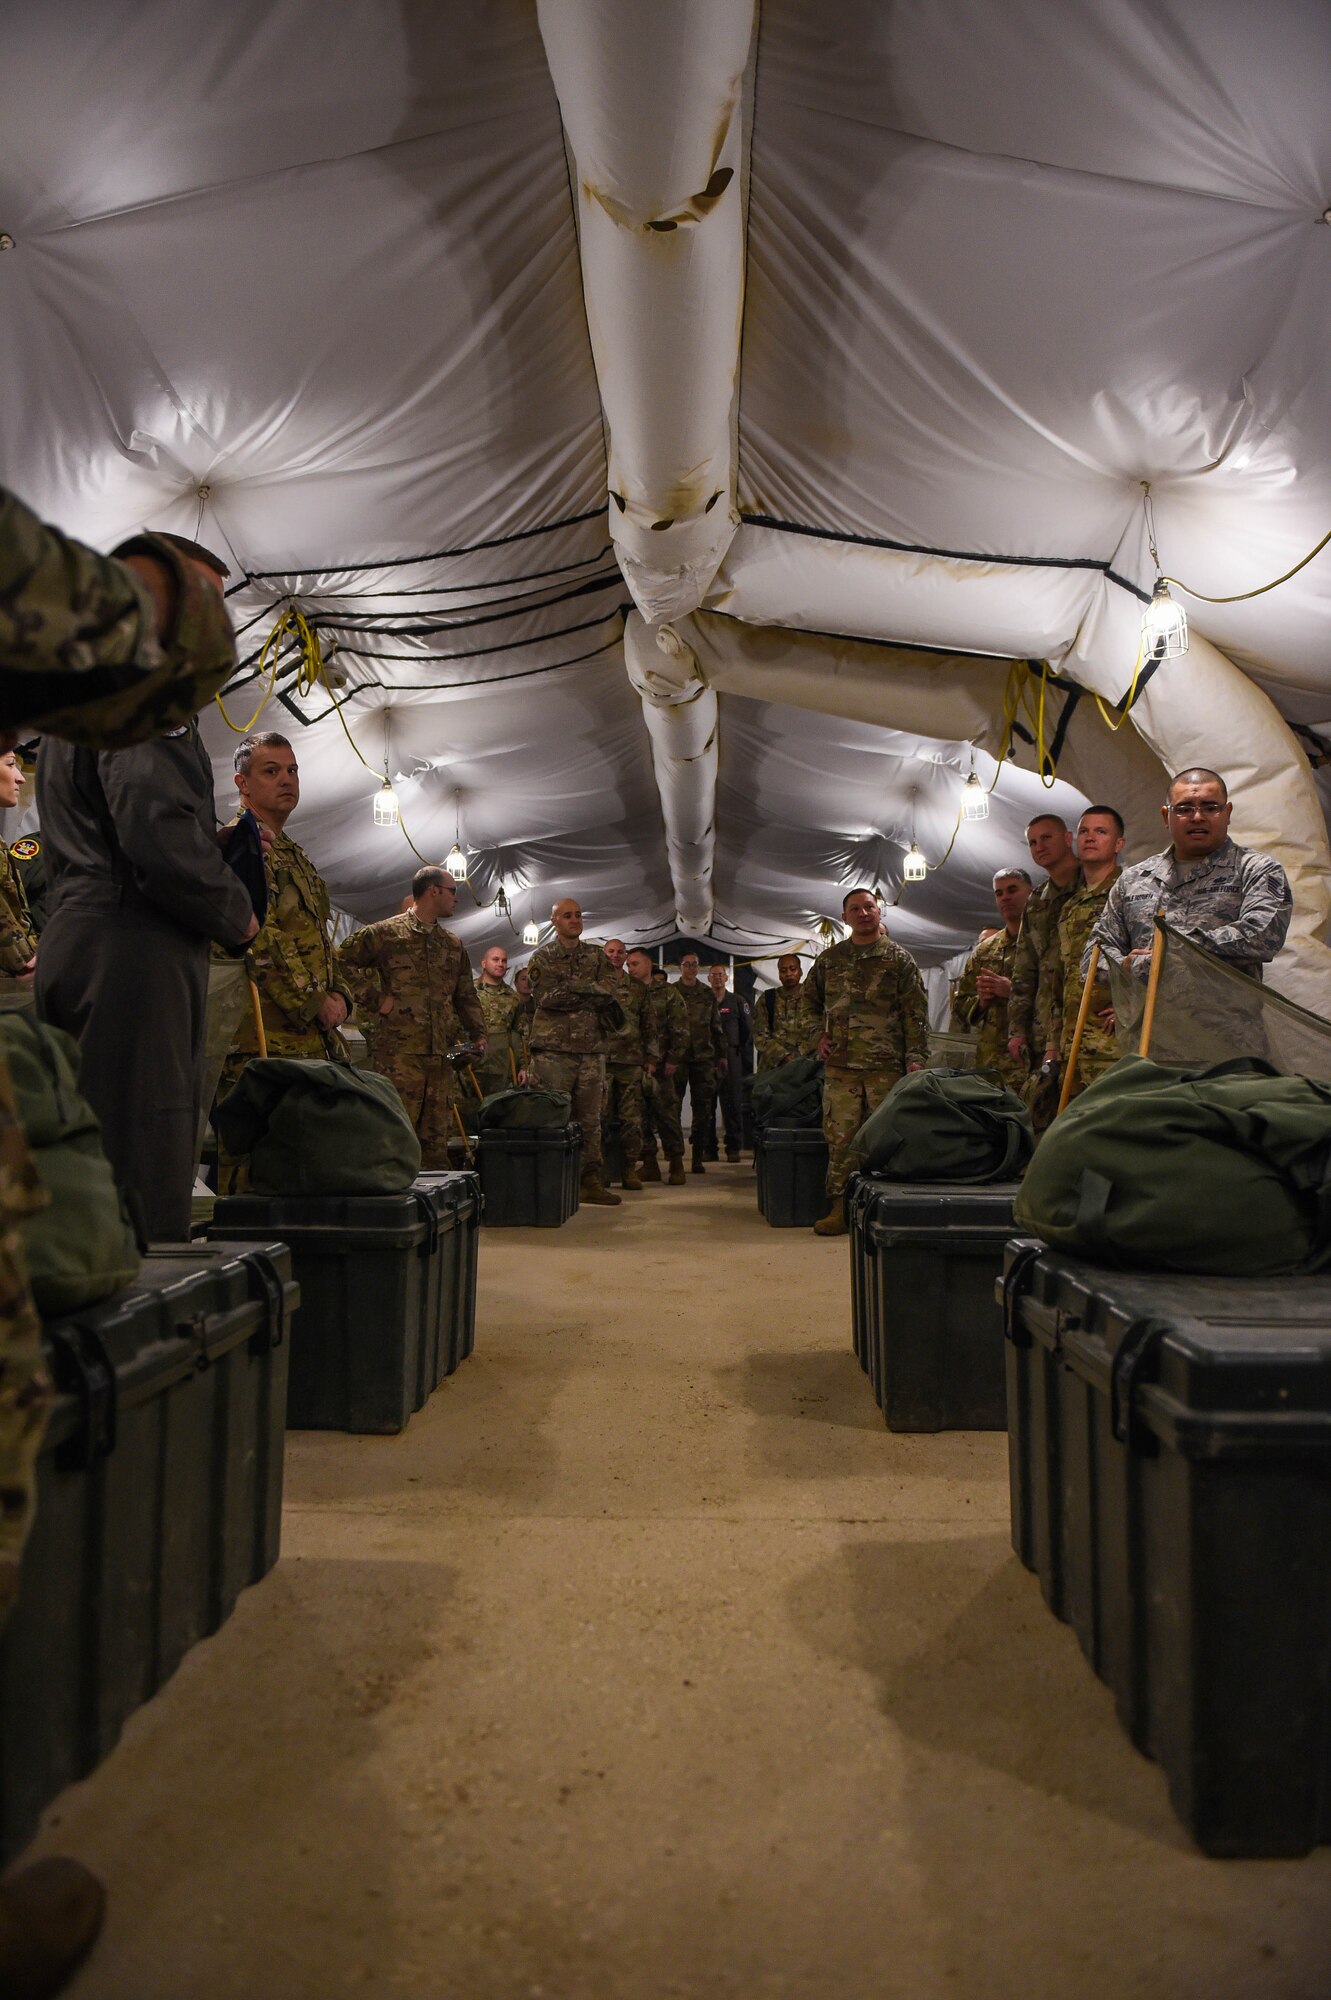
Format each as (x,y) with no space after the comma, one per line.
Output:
(780,1028)
(1030,1013)
(981,996)
(737,1027)
(661,1098)
(575,1000)
(701,1073)
(303,998)
(415,978)
(865,1002)
(1234,902)
(505,1059)
(1100,834)
(631,1055)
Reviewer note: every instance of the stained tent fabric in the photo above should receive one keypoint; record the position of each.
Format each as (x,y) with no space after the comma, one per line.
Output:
(805,338)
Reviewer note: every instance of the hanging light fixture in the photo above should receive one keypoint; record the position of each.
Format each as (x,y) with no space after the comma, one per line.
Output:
(385,799)
(1164,625)
(974,798)
(456,863)
(531,932)
(501,900)
(914,868)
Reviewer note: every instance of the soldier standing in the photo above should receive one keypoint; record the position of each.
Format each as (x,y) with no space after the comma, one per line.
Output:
(706,1058)
(780,1027)
(737,1030)
(302,997)
(864,1000)
(504,1063)
(981,997)
(575,1005)
(415,978)
(1031,1024)
(18,939)
(1099,844)
(631,1056)
(661,1119)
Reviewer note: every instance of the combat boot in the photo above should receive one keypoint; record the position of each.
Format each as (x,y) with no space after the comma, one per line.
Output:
(591,1191)
(650,1169)
(833,1223)
(698,1167)
(677,1171)
(732,1154)
(50,1914)
(632,1180)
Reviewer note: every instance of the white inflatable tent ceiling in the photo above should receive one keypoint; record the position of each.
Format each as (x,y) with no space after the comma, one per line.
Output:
(675,417)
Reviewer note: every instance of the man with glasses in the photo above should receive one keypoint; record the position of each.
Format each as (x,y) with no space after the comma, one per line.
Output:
(1232,901)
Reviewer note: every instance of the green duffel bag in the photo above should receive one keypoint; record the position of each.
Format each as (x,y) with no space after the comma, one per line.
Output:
(947,1125)
(1223,1172)
(80,1247)
(319,1128)
(527,1110)
(791,1094)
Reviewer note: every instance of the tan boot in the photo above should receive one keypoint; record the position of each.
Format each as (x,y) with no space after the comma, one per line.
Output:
(50,1914)
(677,1171)
(833,1223)
(596,1196)
(650,1170)
(633,1180)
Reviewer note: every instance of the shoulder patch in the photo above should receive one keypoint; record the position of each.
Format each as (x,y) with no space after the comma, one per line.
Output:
(26,849)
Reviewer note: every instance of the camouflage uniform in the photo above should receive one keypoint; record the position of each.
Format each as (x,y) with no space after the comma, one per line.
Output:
(428,973)
(627,1050)
(995,953)
(1235,903)
(291,962)
(700,1072)
(566,1033)
(79,657)
(1029,1010)
(869,1001)
(18,940)
(1077,919)
(505,1020)
(662,1091)
(29,864)
(788,1034)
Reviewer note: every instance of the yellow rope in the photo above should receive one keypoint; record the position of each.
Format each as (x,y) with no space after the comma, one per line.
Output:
(1242,596)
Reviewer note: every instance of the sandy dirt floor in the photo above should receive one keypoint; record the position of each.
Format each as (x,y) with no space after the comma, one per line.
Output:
(647,1663)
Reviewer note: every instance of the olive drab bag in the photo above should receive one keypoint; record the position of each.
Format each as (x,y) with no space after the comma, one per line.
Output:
(1224,1172)
(791,1094)
(947,1125)
(80,1246)
(528,1110)
(319,1128)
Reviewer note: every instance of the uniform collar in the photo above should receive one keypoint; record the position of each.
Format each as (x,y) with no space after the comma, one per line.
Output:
(1206,862)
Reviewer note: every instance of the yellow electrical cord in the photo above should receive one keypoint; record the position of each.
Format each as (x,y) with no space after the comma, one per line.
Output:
(1242,596)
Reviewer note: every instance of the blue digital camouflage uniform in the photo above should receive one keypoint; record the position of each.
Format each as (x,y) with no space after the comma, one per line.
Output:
(869,1001)
(1235,903)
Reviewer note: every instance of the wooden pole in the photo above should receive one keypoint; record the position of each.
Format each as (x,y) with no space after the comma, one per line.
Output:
(1083,1011)
(1152,988)
(513,1065)
(257,1006)
(466,1143)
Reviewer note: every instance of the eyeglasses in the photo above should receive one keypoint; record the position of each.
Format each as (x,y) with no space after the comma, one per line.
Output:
(1203,809)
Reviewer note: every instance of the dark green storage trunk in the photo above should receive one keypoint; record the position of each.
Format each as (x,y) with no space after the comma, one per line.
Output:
(159,1496)
(791,1163)
(924,1261)
(529,1179)
(448,1321)
(375,1336)
(1170,1452)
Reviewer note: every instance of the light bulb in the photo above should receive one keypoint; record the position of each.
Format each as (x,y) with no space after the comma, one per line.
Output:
(1164,625)
(385,805)
(531,933)
(456,863)
(974,799)
(501,901)
(914,868)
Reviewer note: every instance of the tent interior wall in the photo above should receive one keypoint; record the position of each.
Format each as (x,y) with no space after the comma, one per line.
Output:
(807,366)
